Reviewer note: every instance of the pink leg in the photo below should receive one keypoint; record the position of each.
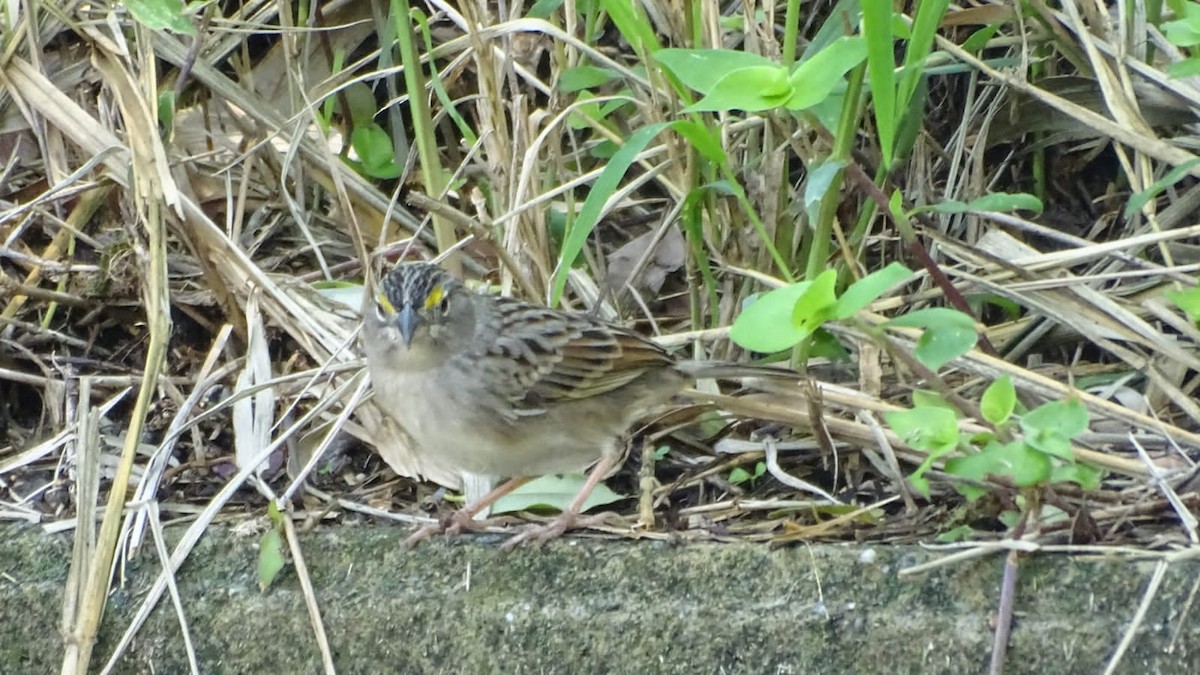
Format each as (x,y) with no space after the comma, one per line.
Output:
(464,518)
(570,518)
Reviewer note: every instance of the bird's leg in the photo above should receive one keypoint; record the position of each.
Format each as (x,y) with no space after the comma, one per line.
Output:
(464,518)
(570,518)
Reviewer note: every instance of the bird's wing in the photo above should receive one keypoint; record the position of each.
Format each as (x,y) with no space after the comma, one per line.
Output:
(568,357)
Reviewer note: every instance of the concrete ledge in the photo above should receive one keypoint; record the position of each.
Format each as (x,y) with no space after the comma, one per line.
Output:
(605,607)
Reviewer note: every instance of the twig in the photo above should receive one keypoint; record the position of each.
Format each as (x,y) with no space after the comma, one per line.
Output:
(1156,579)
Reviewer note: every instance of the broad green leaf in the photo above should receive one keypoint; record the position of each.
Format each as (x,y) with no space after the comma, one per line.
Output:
(270,549)
(999,400)
(701,69)
(1085,476)
(948,334)
(1184,68)
(750,89)
(270,558)
(161,15)
(820,177)
(1184,31)
(765,325)
(932,429)
(816,78)
(1016,461)
(1069,418)
(1051,443)
(554,492)
(866,290)
(824,345)
(815,306)
(923,398)
(375,152)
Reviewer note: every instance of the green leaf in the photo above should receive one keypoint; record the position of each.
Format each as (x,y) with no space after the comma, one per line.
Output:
(375,152)
(166,109)
(543,9)
(820,177)
(1139,199)
(703,138)
(825,346)
(593,205)
(980,38)
(1010,309)
(864,291)
(923,398)
(932,429)
(345,292)
(578,78)
(270,558)
(270,549)
(701,69)
(881,66)
(739,476)
(815,306)
(1188,301)
(948,334)
(815,79)
(1051,443)
(999,202)
(999,400)
(1068,418)
(554,492)
(960,533)
(1185,68)
(633,24)
(765,325)
(750,89)
(1084,475)
(1184,31)
(1016,461)
(925,25)
(161,15)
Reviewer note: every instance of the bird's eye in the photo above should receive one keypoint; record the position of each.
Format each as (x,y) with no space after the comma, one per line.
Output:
(444,305)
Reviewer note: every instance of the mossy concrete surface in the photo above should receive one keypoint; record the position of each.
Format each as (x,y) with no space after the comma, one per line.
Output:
(581,606)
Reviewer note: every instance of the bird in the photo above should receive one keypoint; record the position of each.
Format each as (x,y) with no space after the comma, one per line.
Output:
(501,386)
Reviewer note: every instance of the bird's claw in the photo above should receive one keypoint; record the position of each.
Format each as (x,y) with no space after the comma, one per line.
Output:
(566,520)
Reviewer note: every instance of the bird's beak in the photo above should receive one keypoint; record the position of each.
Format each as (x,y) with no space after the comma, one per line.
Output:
(408,320)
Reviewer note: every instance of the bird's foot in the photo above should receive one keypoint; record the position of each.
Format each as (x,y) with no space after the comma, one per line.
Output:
(455,523)
(567,520)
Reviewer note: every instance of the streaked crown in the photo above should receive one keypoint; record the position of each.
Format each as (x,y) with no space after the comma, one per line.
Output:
(420,284)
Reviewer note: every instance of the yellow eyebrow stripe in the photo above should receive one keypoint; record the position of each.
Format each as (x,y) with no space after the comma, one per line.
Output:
(386,304)
(434,297)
